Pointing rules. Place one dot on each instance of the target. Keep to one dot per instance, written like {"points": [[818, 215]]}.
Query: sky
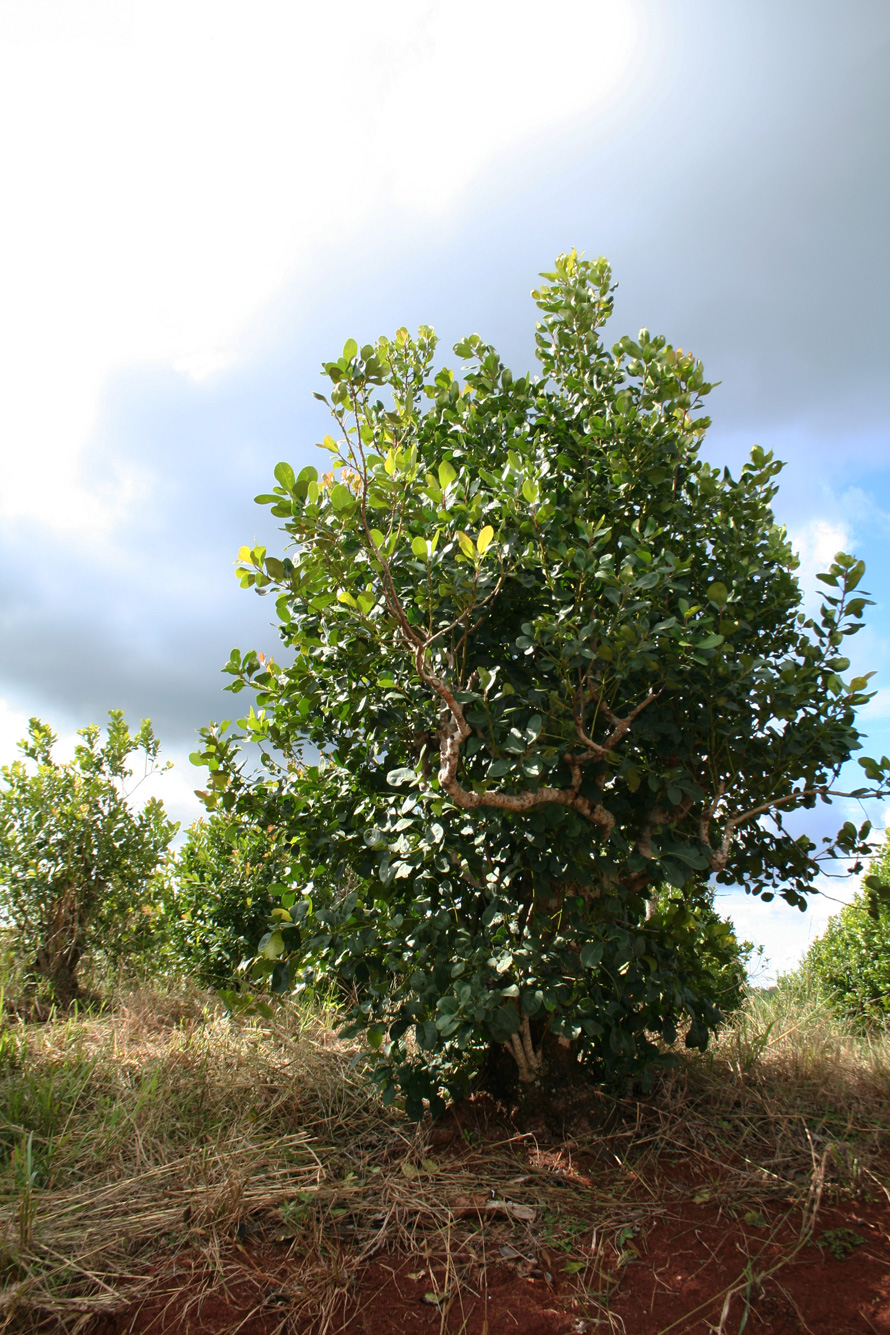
{"points": [[204, 200]]}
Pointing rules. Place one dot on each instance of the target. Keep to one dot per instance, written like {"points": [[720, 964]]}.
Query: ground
{"points": [[681, 1241], [166, 1168]]}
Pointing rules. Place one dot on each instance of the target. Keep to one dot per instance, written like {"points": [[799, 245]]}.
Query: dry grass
{"points": [[142, 1147]]}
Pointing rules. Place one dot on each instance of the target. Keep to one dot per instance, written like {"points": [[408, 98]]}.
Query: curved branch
{"points": [[454, 733], [455, 730], [719, 857], [620, 726]]}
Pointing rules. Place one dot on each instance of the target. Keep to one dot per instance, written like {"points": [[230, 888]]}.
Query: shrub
{"points": [[218, 898], [851, 959], [77, 863], [552, 662]]}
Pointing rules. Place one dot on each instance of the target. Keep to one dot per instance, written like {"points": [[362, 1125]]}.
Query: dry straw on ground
{"points": [[159, 1143]]}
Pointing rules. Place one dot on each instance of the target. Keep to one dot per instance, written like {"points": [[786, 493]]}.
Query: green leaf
{"points": [[285, 475], [591, 955], [718, 594], [280, 981], [502, 1022], [419, 548], [530, 490], [447, 474], [397, 778], [350, 348], [271, 945]]}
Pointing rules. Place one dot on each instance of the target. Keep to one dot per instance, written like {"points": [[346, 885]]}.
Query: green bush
{"points": [[218, 898], [851, 959], [77, 864], [552, 661], [708, 945]]}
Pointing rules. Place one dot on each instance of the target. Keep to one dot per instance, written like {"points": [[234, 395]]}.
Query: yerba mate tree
{"points": [[78, 863], [557, 671]]}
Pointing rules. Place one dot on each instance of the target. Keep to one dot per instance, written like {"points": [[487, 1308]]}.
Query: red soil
{"points": [[692, 1269], [689, 1259]]}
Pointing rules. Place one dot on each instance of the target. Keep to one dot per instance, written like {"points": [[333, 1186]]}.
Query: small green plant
{"points": [[77, 863], [841, 1242], [26, 1177]]}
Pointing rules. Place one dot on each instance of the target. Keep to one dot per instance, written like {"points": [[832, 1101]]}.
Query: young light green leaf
{"points": [[483, 542], [466, 545], [271, 946], [447, 474], [285, 475]]}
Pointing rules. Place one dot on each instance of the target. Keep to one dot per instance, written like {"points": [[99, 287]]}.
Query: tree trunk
{"points": [[60, 971], [60, 953]]}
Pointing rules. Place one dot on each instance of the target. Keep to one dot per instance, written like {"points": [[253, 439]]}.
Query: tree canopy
{"points": [[557, 671]]}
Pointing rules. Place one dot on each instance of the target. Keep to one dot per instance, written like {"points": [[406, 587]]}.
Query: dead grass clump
{"points": [[149, 1127], [788, 1076]]}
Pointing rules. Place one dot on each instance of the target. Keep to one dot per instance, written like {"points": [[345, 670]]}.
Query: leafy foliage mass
{"points": [[76, 861], [218, 897], [553, 662], [851, 960]]}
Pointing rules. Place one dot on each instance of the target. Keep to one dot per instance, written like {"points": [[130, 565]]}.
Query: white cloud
{"points": [[13, 727], [784, 932], [817, 542], [168, 164]]}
